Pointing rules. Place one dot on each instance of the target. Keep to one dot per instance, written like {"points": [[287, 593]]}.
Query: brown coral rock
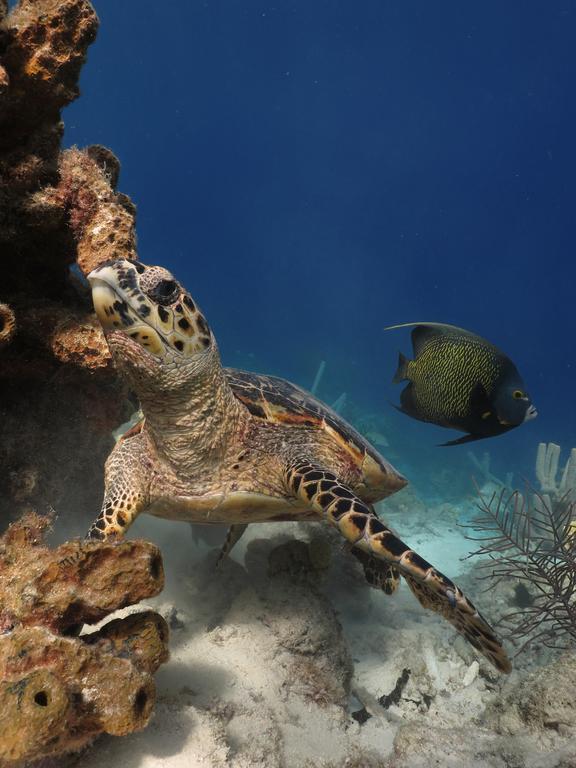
{"points": [[59, 215], [102, 224], [79, 339], [58, 691], [70, 336], [140, 636], [45, 47], [80, 581]]}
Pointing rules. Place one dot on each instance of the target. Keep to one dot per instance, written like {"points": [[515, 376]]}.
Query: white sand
{"points": [[236, 691]]}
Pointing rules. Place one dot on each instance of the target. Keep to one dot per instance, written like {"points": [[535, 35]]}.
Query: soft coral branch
{"points": [[528, 538]]}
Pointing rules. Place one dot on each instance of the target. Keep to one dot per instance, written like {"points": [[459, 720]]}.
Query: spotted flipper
{"points": [[320, 489], [379, 574], [126, 489], [232, 538]]}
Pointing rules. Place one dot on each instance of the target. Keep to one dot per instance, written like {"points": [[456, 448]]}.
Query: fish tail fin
{"points": [[402, 370]]}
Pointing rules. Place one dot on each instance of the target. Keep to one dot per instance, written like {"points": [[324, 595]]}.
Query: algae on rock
{"points": [[59, 217]]}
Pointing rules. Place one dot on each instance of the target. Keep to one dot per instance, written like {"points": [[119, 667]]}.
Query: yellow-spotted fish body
{"points": [[461, 381]]}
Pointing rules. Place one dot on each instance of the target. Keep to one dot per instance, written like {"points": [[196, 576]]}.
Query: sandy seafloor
{"points": [[261, 657]]}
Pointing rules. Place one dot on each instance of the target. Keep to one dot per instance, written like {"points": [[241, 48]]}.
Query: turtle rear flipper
{"points": [[321, 489], [235, 533], [465, 617], [379, 574]]}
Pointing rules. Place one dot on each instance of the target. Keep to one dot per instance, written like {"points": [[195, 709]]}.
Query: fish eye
{"points": [[518, 394], [164, 292]]}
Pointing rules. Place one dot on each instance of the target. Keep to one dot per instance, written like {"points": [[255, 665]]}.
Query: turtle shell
{"points": [[277, 400]]}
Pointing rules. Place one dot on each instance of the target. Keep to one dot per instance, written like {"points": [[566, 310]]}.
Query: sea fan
{"points": [[531, 540]]}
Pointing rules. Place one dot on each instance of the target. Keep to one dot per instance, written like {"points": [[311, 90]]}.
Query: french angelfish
{"points": [[461, 381]]}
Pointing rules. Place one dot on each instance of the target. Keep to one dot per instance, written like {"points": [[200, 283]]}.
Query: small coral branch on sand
{"points": [[59, 691], [482, 466]]}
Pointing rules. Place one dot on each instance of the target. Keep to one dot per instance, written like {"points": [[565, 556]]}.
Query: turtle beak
{"points": [[108, 283], [115, 312], [104, 297], [106, 273], [107, 302]]}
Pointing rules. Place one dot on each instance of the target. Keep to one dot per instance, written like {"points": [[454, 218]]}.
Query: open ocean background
{"points": [[313, 170]]}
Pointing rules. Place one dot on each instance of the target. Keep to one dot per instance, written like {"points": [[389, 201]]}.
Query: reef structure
{"points": [[58, 691], [60, 215], [547, 465]]}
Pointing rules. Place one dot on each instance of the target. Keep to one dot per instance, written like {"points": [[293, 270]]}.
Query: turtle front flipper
{"points": [[321, 489], [126, 489]]}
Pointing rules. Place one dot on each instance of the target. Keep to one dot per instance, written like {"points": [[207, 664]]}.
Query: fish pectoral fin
{"points": [[402, 370], [401, 409], [461, 440], [479, 402], [408, 404]]}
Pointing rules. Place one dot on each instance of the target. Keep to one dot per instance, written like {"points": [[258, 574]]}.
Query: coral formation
{"points": [[556, 493], [59, 216], [59, 691], [547, 461], [101, 220], [529, 542]]}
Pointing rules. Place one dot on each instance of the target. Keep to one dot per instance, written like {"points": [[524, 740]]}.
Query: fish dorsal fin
{"points": [[424, 332], [421, 336]]}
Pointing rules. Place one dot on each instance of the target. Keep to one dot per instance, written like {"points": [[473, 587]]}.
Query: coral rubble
{"points": [[541, 703], [59, 217], [59, 691]]}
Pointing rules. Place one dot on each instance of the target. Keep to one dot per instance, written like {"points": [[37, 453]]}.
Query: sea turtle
{"points": [[220, 445]]}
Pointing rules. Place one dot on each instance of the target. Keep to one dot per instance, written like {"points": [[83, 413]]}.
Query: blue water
{"points": [[313, 170]]}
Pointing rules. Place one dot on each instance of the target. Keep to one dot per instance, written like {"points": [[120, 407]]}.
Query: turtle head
{"points": [[150, 321]]}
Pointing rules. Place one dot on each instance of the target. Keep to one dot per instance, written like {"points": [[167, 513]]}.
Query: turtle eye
{"points": [[165, 291], [518, 394]]}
